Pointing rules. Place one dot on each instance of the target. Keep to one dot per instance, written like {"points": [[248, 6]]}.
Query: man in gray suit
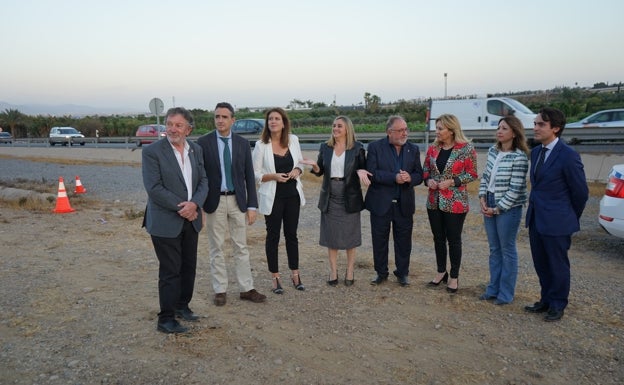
{"points": [[175, 180], [231, 203]]}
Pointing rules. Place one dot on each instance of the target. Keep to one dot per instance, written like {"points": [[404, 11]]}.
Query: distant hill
{"points": [[65, 109]]}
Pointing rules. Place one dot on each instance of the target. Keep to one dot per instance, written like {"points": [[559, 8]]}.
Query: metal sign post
{"points": [[156, 107]]}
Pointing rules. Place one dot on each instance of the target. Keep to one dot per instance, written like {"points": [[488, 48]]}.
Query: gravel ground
{"points": [[78, 305]]}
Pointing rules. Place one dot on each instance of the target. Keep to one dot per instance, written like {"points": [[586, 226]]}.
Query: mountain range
{"points": [[73, 110]]}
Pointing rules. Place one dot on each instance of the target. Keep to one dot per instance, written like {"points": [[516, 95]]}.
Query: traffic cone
{"points": [[79, 187], [62, 202]]}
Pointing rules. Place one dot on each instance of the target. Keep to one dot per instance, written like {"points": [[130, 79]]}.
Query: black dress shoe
{"points": [[538, 307], [379, 279], [553, 315], [186, 314], [403, 281], [171, 326]]}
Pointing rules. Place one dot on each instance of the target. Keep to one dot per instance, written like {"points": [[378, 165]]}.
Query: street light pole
{"points": [[445, 85]]}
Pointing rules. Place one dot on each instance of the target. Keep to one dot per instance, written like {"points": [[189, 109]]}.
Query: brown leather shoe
{"points": [[253, 296], [219, 299]]}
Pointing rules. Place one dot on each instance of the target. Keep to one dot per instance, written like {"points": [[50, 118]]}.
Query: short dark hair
{"points": [[226, 105], [181, 111], [555, 117]]}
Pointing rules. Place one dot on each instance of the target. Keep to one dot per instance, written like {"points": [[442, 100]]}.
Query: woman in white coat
{"points": [[277, 165]]}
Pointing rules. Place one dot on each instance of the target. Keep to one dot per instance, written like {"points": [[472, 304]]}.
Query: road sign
{"points": [[156, 106]]}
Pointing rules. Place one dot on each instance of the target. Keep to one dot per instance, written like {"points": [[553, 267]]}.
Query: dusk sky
{"points": [[120, 54]]}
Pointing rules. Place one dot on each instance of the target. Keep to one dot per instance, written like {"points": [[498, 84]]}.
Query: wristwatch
{"points": [[496, 211]]}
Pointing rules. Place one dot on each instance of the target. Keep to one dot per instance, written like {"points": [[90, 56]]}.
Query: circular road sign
{"points": [[156, 106]]}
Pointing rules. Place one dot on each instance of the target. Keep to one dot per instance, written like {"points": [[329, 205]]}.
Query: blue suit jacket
{"points": [[380, 161], [559, 193], [242, 172], [165, 186]]}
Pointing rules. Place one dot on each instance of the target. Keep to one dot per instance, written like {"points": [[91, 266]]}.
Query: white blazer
{"points": [[264, 163]]}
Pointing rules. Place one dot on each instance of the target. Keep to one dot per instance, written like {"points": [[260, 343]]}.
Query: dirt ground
{"points": [[78, 300]]}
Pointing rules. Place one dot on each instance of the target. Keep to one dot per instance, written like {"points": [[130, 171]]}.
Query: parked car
{"points": [[5, 137], [65, 136], [611, 216], [248, 126], [606, 118], [152, 132]]}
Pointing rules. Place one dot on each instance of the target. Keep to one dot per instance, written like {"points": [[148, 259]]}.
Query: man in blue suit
{"points": [[231, 204], [176, 185], [558, 196], [396, 168]]}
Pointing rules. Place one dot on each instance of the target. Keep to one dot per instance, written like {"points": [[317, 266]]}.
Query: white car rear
{"points": [[611, 216]]}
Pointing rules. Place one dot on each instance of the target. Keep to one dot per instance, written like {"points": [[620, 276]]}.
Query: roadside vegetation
{"points": [[310, 117]]}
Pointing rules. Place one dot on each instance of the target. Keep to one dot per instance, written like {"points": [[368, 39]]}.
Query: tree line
{"points": [[575, 102]]}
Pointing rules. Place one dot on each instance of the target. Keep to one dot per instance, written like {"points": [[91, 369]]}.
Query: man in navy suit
{"points": [[176, 185], [558, 196], [396, 168], [231, 204]]}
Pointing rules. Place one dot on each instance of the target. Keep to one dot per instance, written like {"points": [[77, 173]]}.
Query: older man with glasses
{"points": [[395, 167]]}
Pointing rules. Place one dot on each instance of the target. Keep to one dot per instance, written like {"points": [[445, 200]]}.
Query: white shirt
{"points": [[337, 166], [185, 166]]}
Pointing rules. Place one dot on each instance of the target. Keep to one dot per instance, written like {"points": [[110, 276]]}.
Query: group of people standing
{"points": [[212, 183]]}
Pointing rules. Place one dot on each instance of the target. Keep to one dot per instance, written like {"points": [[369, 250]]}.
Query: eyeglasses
{"points": [[400, 131]]}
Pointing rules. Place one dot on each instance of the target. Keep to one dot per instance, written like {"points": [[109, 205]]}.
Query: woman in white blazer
{"points": [[277, 165]]}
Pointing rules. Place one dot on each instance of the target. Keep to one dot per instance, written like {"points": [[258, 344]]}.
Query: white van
{"points": [[482, 113]]}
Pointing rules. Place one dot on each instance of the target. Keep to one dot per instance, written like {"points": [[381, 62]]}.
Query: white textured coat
{"points": [[264, 163]]}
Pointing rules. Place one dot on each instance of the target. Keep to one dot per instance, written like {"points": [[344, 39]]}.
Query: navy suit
{"points": [[391, 204], [243, 175], [557, 199], [174, 238]]}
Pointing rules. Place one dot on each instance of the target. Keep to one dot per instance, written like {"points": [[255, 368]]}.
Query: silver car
{"points": [[611, 215], [605, 118], [65, 136]]}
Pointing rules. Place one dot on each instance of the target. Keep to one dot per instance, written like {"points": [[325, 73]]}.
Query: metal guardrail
{"points": [[571, 135]]}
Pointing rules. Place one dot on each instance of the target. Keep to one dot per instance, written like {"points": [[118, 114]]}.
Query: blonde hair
{"points": [[451, 123], [331, 142]]}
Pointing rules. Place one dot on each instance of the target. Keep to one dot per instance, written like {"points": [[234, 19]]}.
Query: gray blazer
{"points": [[165, 187]]}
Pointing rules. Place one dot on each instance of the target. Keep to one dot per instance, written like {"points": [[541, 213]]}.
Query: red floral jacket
{"points": [[462, 164]]}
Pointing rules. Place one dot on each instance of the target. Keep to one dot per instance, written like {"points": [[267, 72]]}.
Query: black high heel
{"points": [[278, 288], [451, 290], [333, 282], [349, 282], [299, 286], [444, 279]]}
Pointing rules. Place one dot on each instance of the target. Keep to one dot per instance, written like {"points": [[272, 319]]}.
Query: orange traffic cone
{"points": [[62, 202], [79, 187]]}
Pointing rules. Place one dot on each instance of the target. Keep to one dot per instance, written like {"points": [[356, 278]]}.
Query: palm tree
{"points": [[12, 118]]}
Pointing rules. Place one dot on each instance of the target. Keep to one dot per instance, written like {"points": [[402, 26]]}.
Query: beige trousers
{"points": [[226, 217]]}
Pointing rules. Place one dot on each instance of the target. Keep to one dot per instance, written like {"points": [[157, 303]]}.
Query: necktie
{"points": [[540, 161], [227, 164]]}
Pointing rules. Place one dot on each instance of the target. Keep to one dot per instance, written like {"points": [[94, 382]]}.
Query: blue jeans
{"points": [[502, 231]]}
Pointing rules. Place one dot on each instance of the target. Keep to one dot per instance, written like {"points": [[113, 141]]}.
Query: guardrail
{"points": [[593, 135]]}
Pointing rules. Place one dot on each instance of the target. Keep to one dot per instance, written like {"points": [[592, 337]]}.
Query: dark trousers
{"points": [[550, 259], [177, 259], [286, 211], [447, 227], [401, 234]]}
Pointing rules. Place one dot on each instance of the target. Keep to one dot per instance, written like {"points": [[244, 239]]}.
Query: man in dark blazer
{"points": [[231, 204], [558, 196], [396, 168], [176, 184]]}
